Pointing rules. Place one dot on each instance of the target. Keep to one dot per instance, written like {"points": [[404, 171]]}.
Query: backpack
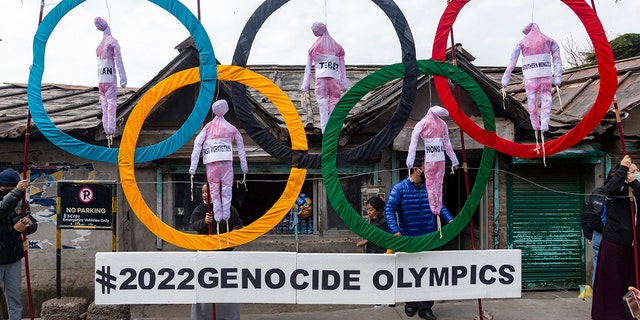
{"points": [[594, 214]]}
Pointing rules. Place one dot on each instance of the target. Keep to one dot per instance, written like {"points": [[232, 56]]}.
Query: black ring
{"points": [[346, 158]]}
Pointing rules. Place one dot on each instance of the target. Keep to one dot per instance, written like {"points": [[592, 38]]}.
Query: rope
{"points": [[533, 7], [560, 98], [326, 23], [106, 3], [503, 91]]}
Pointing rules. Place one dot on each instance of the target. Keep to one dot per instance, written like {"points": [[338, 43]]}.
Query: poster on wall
{"points": [[86, 204]]}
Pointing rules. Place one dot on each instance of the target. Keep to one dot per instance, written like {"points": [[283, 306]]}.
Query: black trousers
{"points": [[419, 305]]}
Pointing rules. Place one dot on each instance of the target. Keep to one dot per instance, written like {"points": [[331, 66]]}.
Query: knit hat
{"points": [[9, 178]]}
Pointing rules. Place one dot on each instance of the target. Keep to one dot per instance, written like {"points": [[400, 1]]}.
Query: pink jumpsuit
{"points": [[331, 76], [214, 141], [538, 52], [109, 59], [435, 135]]}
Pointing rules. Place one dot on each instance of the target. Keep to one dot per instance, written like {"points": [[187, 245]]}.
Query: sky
{"points": [[488, 29]]}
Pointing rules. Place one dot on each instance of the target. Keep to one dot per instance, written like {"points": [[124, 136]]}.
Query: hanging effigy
{"points": [[435, 134], [327, 57], [215, 143], [109, 61], [541, 66]]}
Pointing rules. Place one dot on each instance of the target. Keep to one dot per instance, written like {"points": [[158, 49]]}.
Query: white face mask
{"points": [[637, 176]]}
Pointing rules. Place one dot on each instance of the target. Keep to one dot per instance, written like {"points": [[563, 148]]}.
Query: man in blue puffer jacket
{"points": [[408, 214]]}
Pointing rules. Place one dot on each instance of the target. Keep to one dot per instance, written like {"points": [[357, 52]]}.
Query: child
{"points": [[375, 211]]}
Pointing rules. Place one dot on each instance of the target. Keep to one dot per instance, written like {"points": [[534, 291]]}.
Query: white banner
{"points": [[287, 277]]}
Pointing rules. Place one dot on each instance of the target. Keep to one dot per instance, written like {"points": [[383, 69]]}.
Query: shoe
{"points": [[391, 306], [427, 314], [378, 306], [410, 311]]}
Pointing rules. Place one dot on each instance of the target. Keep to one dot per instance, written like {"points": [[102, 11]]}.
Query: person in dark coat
{"points": [[200, 220], [616, 266], [12, 248], [408, 199], [375, 213]]}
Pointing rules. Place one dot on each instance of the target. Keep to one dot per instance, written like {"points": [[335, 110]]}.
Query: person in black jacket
{"points": [[200, 220], [616, 260], [12, 247], [593, 216], [375, 212]]}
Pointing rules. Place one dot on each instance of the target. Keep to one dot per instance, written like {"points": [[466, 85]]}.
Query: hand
{"points": [[208, 218], [397, 233], [22, 185], [361, 243], [626, 161], [26, 221]]}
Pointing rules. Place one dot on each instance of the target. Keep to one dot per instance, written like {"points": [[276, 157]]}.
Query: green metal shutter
{"points": [[543, 214]]}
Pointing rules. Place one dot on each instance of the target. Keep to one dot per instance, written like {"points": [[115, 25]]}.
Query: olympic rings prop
{"points": [[363, 151], [330, 175], [143, 154], [606, 70], [236, 237]]}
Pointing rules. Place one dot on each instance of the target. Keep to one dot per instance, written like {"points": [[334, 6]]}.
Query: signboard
{"points": [[304, 278], [86, 204]]}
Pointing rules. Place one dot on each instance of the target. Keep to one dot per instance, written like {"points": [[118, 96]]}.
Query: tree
{"points": [[624, 46], [576, 55]]}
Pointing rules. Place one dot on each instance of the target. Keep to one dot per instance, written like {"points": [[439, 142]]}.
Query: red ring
{"points": [[606, 92]]}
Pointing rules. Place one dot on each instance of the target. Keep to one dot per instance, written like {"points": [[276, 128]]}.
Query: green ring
{"points": [[329, 155]]}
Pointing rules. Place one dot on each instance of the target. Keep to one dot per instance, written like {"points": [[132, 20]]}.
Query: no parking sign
{"points": [[86, 204]]}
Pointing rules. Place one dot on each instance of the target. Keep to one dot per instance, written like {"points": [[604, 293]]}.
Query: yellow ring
{"points": [[237, 237]]}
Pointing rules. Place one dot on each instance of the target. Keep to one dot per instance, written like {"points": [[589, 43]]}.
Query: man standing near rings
{"points": [[12, 247], [200, 220], [409, 200]]}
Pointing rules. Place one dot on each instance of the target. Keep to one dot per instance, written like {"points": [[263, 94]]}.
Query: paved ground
{"points": [[548, 305]]}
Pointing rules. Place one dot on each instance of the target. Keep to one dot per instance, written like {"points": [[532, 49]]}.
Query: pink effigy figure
{"points": [[435, 135], [331, 76], [539, 54], [215, 142], [109, 59]]}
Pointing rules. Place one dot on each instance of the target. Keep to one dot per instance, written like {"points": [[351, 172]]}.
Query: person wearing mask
{"points": [[408, 199], [616, 265], [200, 220], [12, 248]]}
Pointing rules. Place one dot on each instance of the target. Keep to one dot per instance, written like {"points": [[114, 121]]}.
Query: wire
{"points": [[344, 177]]}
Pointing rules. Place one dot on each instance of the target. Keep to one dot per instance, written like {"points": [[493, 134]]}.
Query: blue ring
{"points": [[208, 76]]}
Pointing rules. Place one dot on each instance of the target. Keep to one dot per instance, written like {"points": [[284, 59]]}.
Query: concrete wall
{"points": [[50, 165]]}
